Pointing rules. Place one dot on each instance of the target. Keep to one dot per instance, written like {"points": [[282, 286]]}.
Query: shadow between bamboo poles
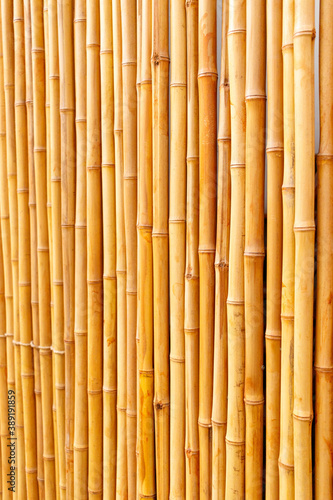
{"points": [[286, 458], [110, 256], [129, 69], [220, 381], [207, 81], [146, 448], [9, 85], [177, 229], [27, 369], [81, 399], [33, 246], [324, 334], [191, 307], [304, 229], [274, 151], [42, 242], [94, 255]]}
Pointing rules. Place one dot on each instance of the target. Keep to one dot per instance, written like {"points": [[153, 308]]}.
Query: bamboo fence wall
{"points": [[166, 250]]}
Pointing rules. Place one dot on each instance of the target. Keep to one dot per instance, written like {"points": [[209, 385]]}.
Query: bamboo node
{"points": [[66, 110], [108, 165], [30, 471], [303, 418], [273, 334], [106, 51], [224, 139], [80, 447], [37, 50], [81, 120], [48, 458], [95, 492], [110, 390], [222, 264], [237, 165], [8, 86], [234, 443], [308, 30], [22, 190], [93, 167], [131, 413], [233, 302], [80, 332], [274, 149], [254, 254], [157, 58], [129, 63], [19, 103], [240, 30], [5, 217], [94, 392], [146, 373], [121, 409], [205, 424], [287, 46], [323, 157], [53, 77], [130, 177], [178, 84], [217, 423], [177, 359], [321, 369], [190, 453], [288, 317], [255, 97], [80, 20], [156, 234], [18, 19], [304, 227], [282, 465], [160, 405], [191, 331], [253, 402]]}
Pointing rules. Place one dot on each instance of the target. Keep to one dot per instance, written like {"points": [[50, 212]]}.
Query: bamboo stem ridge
{"points": [[254, 245], [324, 333]]}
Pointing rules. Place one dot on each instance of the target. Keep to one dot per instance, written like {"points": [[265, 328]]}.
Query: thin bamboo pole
{"points": [[146, 449], [191, 309], [324, 333], [220, 382], [33, 246], [160, 76], [207, 82], [42, 242], [254, 244], [9, 85], [27, 369], [286, 458], [68, 166], [109, 255], [94, 255], [304, 228], [274, 151], [81, 400], [177, 239], [129, 69], [235, 437]]}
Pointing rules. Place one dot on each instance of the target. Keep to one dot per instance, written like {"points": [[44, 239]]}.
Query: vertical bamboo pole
{"points": [[304, 228], [274, 151], [109, 255], [94, 255], [177, 238], [27, 369], [9, 85], [129, 68], [68, 165], [324, 333], [191, 309], [286, 458], [220, 383], [254, 244], [146, 450], [81, 399], [235, 437], [207, 81], [33, 246], [160, 75], [42, 242]]}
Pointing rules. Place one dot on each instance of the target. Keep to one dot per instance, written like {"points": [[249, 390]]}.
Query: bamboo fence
{"points": [[166, 256]]}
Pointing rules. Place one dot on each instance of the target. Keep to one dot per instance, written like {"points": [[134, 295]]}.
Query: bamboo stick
{"points": [[235, 437], [27, 369], [304, 228], [323, 354], [42, 242], [254, 245], [145, 445], [94, 255], [177, 239], [129, 69], [220, 382], [191, 306], [109, 255], [286, 459], [274, 151], [207, 81], [160, 76], [81, 400]]}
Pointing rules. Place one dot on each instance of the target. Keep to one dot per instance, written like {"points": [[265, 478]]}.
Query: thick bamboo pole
{"points": [[324, 333], [94, 255], [109, 255], [42, 242], [191, 308], [220, 382], [177, 239], [274, 151], [145, 446], [27, 368], [68, 166], [129, 68], [235, 437], [304, 228], [254, 244], [286, 458], [207, 82], [160, 74], [81, 399]]}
